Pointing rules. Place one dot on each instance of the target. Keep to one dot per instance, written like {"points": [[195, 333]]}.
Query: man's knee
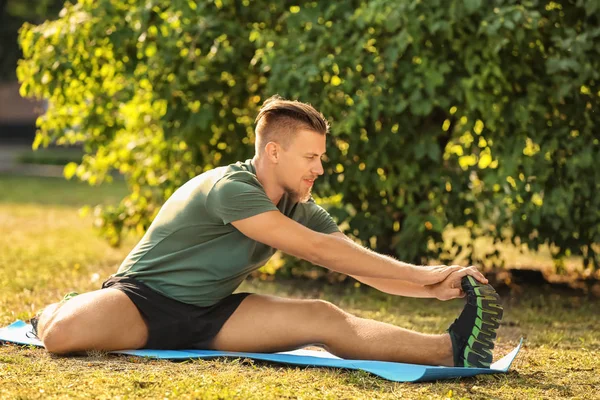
{"points": [[45, 318], [328, 311], [57, 336], [328, 322], [105, 319], [58, 330]]}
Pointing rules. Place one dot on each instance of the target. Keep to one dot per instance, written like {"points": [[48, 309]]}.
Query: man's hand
{"points": [[450, 288], [434, 274]]}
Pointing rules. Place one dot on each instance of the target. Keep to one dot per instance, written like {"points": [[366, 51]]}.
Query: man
{"points": [[174, 290]]}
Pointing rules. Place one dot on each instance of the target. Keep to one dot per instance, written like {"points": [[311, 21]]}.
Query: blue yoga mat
{"points": [[19, 332]]}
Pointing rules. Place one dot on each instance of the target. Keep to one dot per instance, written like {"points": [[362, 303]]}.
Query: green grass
{"points": [[58, 191], [51, 156], [48, 250]]}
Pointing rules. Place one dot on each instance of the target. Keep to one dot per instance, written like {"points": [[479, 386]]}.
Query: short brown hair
{"points": [[279, 120]]}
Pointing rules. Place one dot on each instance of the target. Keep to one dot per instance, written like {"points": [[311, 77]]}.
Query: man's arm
{"points": [[393, 286], [278, 231]]}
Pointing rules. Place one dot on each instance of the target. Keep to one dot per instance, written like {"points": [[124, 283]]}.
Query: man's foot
{"points": [[474, 331], [34, 321]]}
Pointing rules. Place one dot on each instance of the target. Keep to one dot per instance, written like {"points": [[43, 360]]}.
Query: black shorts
{"points": [[171, 323]]}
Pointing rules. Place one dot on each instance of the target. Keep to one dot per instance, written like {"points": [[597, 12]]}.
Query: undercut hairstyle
{"points": [[279, 120]]}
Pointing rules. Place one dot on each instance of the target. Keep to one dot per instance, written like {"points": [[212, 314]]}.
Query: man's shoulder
{"points": [[232, 180], [238, 171], [239, 175], [201, 185]]}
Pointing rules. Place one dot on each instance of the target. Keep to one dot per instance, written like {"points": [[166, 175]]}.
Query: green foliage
{"points": [[444, 113]]}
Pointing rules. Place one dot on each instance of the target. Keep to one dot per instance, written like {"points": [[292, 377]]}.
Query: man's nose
{"points": [[318, 169]]}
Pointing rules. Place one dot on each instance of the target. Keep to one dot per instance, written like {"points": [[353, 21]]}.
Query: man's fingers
{"points": [[452, 269], [443, 272], [474, 272]]}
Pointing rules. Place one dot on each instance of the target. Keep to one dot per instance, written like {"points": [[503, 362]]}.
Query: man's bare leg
{"points": [[270, 324], [104, 319]]}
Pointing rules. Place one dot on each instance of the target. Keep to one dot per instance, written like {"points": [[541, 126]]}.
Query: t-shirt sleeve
{"points": [[236, 197], [314, 217]]}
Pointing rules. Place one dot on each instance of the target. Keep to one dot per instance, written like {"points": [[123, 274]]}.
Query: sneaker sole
{"points": [[478, 351]]}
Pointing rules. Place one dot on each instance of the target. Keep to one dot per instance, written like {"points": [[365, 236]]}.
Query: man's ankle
{"points": [[446, 351]]}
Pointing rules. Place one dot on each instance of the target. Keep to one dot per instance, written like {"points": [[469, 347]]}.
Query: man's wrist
{"points": [[412, 272], [431, 291]]}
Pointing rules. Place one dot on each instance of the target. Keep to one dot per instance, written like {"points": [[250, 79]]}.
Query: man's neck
{"points": [[267, 180]]}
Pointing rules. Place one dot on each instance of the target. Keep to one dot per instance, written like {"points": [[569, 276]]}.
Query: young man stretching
{"points": [[174, 290]]}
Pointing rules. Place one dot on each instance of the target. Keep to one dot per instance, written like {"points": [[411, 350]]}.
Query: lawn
{"points": [[48, 250], [51, 156]]}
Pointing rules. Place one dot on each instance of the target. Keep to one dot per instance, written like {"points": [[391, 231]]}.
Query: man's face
{"points": [[301, 164]]}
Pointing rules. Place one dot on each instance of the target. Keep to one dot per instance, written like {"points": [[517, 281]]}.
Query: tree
{"points": [[460, 113]]}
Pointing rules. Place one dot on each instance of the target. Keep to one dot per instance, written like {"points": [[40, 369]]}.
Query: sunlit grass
{"points": [[51, 156], [57, 191], [511, 256], [47, 250]]}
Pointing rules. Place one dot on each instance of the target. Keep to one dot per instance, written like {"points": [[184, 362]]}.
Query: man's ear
{"points": [[272, 151]]}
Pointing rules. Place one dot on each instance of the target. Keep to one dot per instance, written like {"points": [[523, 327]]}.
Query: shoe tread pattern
{"points": [[478, 351]]}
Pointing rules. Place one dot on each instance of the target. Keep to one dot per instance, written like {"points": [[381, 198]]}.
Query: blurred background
{"points": [[17, 115], [462, 131]]}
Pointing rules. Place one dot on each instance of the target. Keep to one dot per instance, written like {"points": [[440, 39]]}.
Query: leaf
{"points": [[472, 5], [484, 160], [70, 170]]}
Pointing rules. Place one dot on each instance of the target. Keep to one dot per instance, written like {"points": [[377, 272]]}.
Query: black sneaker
{"points": [[34, 324], [474, 331]]}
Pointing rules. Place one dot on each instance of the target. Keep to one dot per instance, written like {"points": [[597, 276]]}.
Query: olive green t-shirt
{"points": [[193, 254]]}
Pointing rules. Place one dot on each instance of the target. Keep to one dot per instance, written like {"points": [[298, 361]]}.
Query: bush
{"points": [[468, 113]]}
